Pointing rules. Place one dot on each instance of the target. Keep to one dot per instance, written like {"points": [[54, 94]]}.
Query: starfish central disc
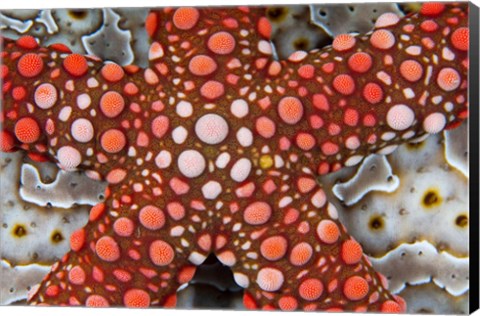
{"points": [[212, 129]]}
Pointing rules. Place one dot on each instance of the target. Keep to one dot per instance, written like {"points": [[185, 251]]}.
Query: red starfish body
{"points": [[216, 148]]}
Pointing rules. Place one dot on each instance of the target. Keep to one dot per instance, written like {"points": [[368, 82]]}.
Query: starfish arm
{"points": [[288, 249], [366, 94], [80, 111], [135, 251], [207, 48]]}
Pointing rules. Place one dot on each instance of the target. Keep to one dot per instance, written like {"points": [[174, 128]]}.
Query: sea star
{"points": [[216, 148]]}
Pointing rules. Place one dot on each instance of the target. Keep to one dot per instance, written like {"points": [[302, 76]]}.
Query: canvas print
{"points": [[304, 157]]}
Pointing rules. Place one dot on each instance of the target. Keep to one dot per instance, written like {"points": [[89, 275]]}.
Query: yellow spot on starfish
{"points": [[266, 161]]}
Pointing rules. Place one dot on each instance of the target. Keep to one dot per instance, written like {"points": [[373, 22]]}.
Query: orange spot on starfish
{"points": [[351, 252], [257, 213], [75, 64], [274, 248], [355, 288], [311, 289], [27, 130], [113, 141], [161, 253], [328, 231], [360, 62], [112, 72], [185, 18], [30, 65], [136, 298], [112, 104], [107, 249], [151, 217], [202, 65], [460, 38], [222, 43]]}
